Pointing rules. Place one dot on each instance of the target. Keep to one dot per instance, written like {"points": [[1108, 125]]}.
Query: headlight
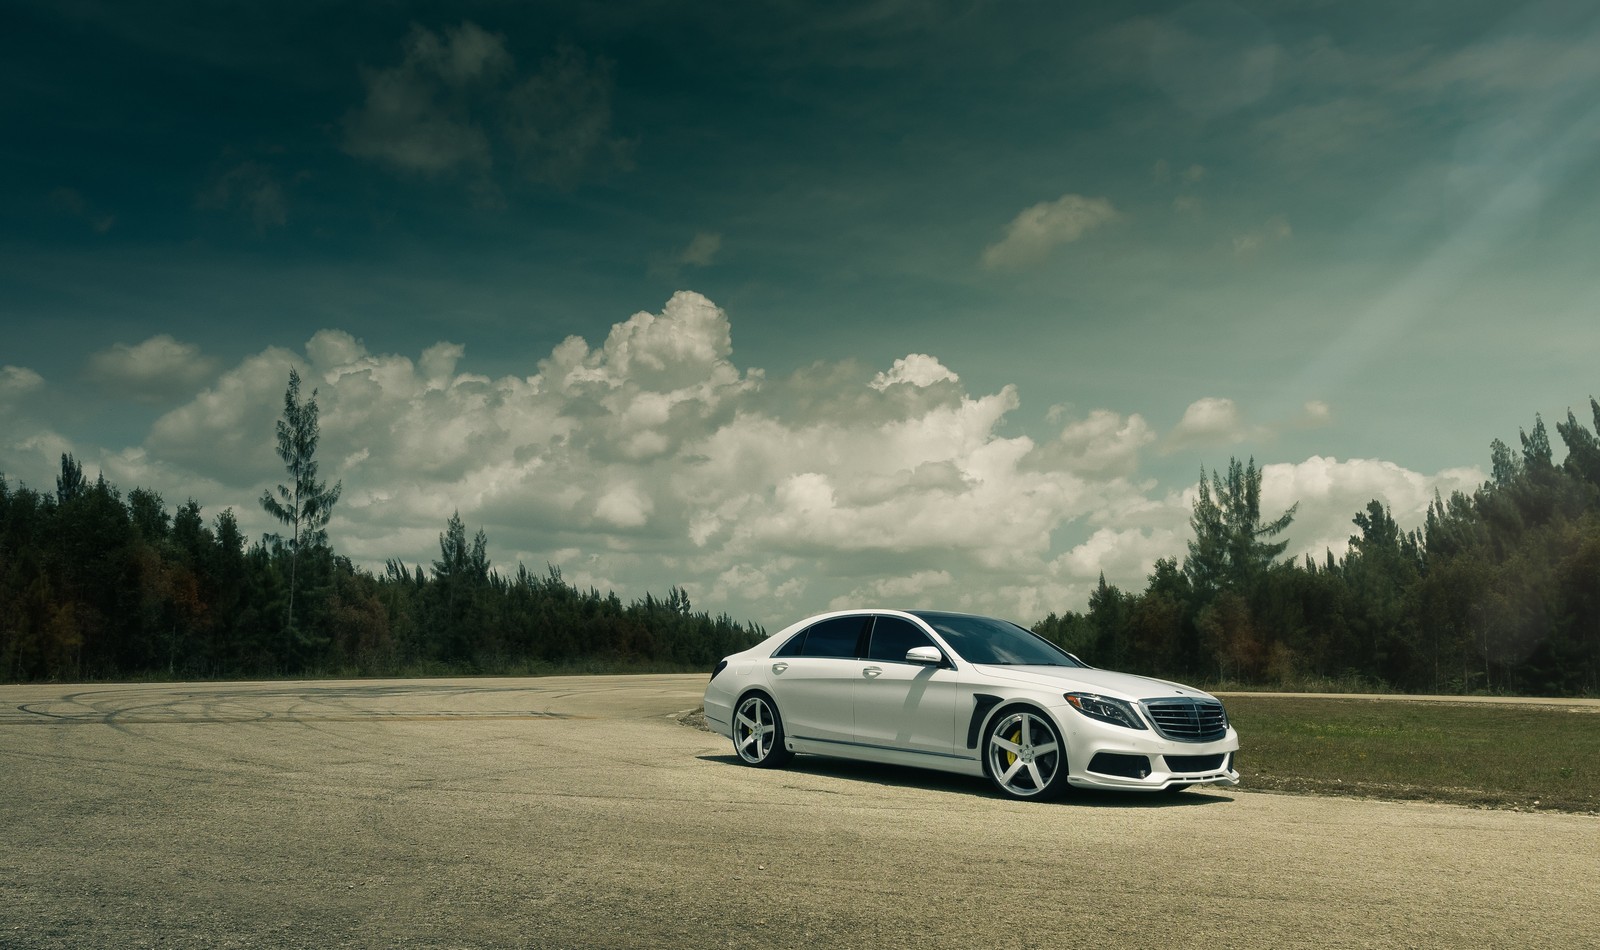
{"points": [[1105, 709]]}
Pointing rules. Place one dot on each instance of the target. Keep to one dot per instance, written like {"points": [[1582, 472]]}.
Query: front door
{"points": [[900, 705]]}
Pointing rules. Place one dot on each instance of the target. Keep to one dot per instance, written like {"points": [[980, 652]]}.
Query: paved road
{"points": [[576, 812]]}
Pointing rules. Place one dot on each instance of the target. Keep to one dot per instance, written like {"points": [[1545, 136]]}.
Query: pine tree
{"points": [[1230, 550], [306, 504]]}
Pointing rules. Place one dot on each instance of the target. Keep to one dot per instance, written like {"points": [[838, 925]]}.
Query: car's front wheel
{"points": [[1025, 756], [758, 733]]}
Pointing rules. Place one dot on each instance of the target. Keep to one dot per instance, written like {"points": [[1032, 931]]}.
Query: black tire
{"points": [[1024, 755], [758, 733]]}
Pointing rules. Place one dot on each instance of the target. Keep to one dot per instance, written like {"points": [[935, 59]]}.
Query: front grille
{"points": [[1187, 720], [1195, 763]]}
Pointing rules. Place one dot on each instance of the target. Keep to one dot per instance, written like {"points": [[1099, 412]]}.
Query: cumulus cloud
{"points": [[30, 450], [650, 458], [1330, 492], [161, 368], [1315, 414], [1103, 444], [1034, 233], [458, 102], [910, 590], [918, 369], [1128, 555], [17, 380], [1210, 421]]}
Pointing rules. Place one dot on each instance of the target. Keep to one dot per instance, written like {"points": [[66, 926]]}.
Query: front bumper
{"points": [[1111, 757]]}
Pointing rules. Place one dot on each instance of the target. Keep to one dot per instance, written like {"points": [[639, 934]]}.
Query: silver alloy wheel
{"points": [[755, 730], [1024, 754]]}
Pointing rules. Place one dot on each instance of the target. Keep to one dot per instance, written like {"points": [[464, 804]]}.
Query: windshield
{"points": [[986, 640]]}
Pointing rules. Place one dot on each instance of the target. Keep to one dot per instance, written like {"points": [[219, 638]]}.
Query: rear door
{"points": [[813, 684]]}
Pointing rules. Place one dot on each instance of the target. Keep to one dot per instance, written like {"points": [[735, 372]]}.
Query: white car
{"points": [[968, 694]]}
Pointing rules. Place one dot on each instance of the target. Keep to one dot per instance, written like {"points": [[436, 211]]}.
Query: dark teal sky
{"points": [[1355, 242]]}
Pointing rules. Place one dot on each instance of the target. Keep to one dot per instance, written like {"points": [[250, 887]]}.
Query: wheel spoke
{"points": [[1044, 749], [1011, 772], [1033, 770], [751, 731], [1005, 744]]}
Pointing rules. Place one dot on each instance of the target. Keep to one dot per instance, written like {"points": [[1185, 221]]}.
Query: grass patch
{"points": [[1493, 756]]}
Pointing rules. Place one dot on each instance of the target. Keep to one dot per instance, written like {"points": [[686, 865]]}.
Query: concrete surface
{"points": [[576, 812]]}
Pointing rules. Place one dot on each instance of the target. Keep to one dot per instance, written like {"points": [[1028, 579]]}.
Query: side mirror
{"points": [[929, 656]]}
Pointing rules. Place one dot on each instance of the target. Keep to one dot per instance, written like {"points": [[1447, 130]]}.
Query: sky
{"points": [[798, 305]]}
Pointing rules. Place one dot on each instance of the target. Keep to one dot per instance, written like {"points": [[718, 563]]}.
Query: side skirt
{"points": [[862, 752]]}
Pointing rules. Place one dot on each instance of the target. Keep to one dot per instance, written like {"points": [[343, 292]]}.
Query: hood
{"points": [[1119, 685]]}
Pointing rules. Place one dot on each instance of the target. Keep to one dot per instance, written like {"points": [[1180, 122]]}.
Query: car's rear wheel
{"points": [[1024, 755], [758, 733]]}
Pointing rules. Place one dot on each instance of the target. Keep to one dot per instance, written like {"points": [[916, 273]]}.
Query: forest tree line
{"points": [[98, 585], [1497, 591]]}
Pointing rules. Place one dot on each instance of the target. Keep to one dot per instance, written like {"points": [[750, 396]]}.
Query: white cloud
{"points": [[702, 250], [158, 369], [17, 380], [1105, 443], [651, 459], [910, 590], [1315, 414], [30, 451], [1211, 420], [1331, 492], [625, 506], [918, 369], [1125, 557], [1035, 232], [651, 450]]}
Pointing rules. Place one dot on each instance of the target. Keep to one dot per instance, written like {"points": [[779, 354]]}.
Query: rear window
{"points": [[837, 637]]}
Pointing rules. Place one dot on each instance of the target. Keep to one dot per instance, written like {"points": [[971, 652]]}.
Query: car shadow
{"points": [[904, 776]]}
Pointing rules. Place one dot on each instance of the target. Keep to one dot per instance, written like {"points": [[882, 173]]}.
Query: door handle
{"points": [[779, 667], [872, 671]]}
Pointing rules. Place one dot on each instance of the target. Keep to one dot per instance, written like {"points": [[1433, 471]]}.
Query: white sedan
{"points": [[968, 694]]}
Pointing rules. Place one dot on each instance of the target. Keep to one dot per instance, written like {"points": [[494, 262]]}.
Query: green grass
{"points": [[1488, 755]]}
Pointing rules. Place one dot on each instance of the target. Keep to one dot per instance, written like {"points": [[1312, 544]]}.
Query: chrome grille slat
{"points": [[1187, 720]]}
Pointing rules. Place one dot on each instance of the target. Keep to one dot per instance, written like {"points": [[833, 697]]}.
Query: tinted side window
{"points": [[836, 637], [791, 648], [893, 636]]}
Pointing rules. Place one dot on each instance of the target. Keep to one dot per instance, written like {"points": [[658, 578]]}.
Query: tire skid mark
{"points": [[121, 718]]}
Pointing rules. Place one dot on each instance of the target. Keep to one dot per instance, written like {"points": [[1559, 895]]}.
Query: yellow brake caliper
{"points": [[1016, 738]]}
